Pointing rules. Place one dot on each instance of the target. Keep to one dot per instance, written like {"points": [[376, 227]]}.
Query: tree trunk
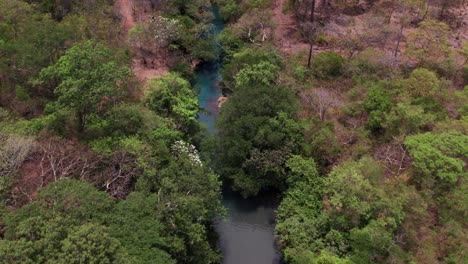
{"points": [[400, 35], [310, 55], [81, 122], [442, 10], [312, 12]]}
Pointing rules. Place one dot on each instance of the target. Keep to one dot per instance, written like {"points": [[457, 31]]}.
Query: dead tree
{"points": [[320, 100]]}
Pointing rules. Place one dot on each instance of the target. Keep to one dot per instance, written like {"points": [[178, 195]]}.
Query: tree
{"points": [[188, 198], [296, 225], [377, 103], [406, 118], [72, 222], [257, 134], [248, 57], [327, 65], [90, 243], [429, 42], [23, 53], [89, 80], [407, 9], [263, 73], [446, 5], [172, 96], [438, 158], [321, 100]]}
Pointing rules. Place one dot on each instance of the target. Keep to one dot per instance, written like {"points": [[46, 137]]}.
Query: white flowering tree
{"points": [[159, 33], [183, 149]]}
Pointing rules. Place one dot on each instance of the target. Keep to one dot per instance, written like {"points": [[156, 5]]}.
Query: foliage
{"points": [[326, 65], [438, 158], [247, 57], [89, 80], [256, 136], [229, 9], [89, 223], [263, 73], [422, 83], [172, 96], [356, 217], [377, 103], [429, 42]]}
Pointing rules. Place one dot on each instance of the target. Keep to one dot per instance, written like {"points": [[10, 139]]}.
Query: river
{"points": [[246, 236]]}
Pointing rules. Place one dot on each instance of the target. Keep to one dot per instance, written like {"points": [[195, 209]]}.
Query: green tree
{"points": [[326, 65], [90, 243], [263, 73], [422, 83], [89, 80], [256, 136], [377, 103], [72, 222], [248, 57], [172, 96], [429, 42], [438, 158]]}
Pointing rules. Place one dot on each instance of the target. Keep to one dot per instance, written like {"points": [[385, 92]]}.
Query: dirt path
{"points": [[125, 9], [147, 67], [285, 29]]}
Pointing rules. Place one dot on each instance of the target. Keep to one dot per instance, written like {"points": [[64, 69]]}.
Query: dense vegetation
{"points": [[356, 114]]}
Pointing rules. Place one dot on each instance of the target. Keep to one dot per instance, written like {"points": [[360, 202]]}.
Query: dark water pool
{"points": [[246, 236]]}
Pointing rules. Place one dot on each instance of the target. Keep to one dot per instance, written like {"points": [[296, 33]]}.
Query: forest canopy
{"points": [[354, 114]]}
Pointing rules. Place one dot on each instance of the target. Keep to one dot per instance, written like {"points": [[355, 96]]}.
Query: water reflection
{"points": [[247, 235]]}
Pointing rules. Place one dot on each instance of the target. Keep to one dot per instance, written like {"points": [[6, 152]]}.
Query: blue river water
{"points": [[246, 236]]}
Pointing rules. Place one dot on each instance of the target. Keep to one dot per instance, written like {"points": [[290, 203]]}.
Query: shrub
{"points": [[327, 65]]}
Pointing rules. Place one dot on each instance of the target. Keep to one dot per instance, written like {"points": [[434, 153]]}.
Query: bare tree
{"points": [[65, 159], [394, 157], [14, 150], [255, 26], [320, 100], [115, 173]]}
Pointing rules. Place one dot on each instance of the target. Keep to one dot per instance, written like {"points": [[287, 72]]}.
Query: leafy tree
{"points": [[229, 9], [377, 103], [89, 80], [91, 243], [188, 199], [438, 158], [327, 65], [23, 46], [320, 141], [298, 220], [263, 73], [256, 135], [351, 212], [172, 96], [74, 222], [422, 83], [429, 42], [138, 227], [245, 57], [405, 119]]}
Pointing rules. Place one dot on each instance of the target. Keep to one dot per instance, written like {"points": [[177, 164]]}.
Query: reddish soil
{"points": [[145, 67], [29, 180], [286, 30]]}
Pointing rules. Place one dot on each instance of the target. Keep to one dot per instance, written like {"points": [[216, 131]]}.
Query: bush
{"points": [[184, 70], [327, 65]]}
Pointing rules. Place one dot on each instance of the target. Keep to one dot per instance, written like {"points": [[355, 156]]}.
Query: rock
{"points": [[222, 100]]}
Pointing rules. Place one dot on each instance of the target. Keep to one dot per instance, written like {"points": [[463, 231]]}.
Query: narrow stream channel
{"points": [[247, 234]]}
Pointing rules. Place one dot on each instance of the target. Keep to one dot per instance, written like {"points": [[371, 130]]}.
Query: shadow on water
{"points": [[246, 236], [247, 233]]}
